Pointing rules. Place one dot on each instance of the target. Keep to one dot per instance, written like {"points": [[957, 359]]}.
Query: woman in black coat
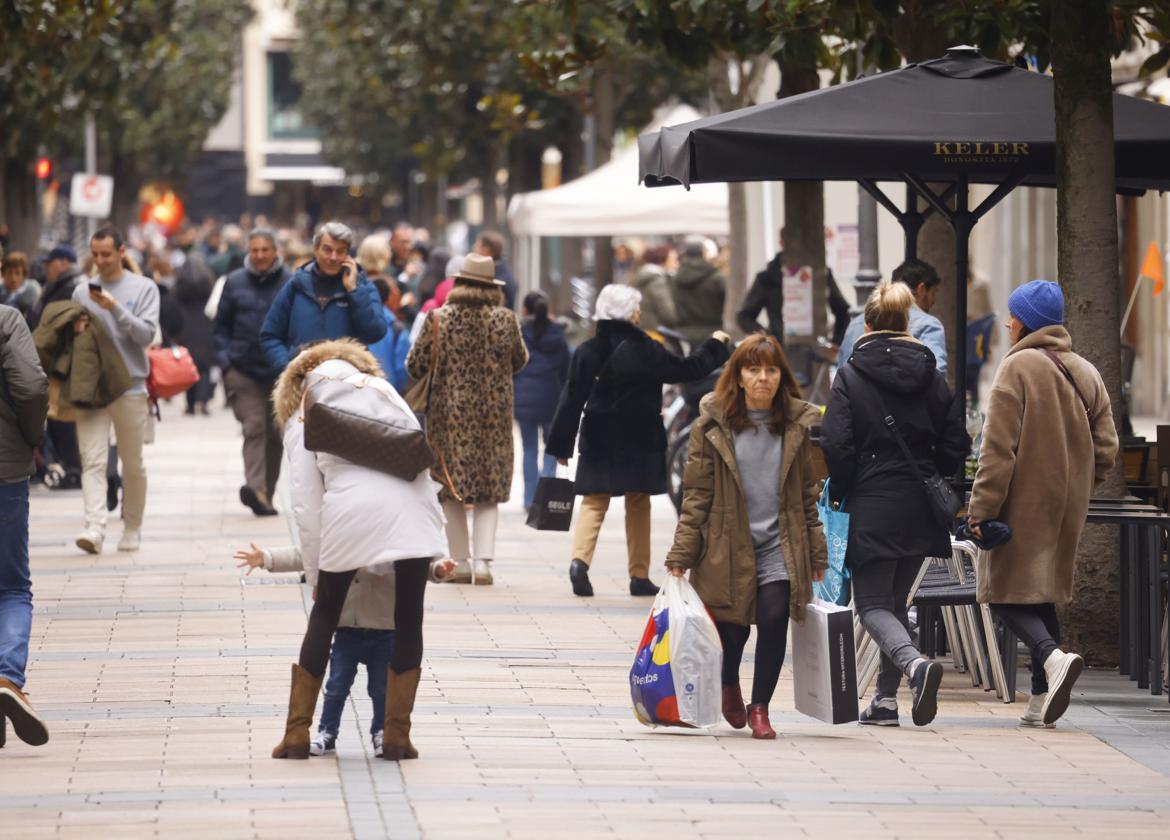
{"points": [[193, 282], [616, 381], [891, 527]]}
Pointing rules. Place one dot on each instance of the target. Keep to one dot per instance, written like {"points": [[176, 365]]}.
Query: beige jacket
{"points": [[713, 537], [1040, 459], [370, 601]]}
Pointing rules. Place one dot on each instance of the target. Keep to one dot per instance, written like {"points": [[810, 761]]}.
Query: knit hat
{"points": [[1038, 304]]}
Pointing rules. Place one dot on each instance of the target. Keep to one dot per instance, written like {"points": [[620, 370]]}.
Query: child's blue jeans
{"points": [[353, 646]]}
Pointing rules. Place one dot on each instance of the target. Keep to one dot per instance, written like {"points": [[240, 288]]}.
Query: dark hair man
{"points": [[491, 244]]}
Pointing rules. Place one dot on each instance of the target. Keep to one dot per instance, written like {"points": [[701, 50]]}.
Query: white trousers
{"points": [[129, 416], [485, 518]]}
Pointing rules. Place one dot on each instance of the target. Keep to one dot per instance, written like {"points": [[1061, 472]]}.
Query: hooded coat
{"points": [[713, 537], [616, 381], [890, 517], [657, 301], [88, 366], [1040, 458], [469, 420], [539, 383], [699, 290], [349, 516]]}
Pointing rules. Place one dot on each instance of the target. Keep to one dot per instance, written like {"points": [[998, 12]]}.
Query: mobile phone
{"points": [[95, 287]]}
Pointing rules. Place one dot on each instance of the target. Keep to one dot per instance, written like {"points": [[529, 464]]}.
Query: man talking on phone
{"points": [[328, 298], [126, 305]]}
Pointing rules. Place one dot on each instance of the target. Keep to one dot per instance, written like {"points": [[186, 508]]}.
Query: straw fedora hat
{"points": [[479, 269]]}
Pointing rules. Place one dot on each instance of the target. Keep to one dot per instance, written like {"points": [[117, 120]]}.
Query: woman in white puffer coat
{"points": [[351, 517]]}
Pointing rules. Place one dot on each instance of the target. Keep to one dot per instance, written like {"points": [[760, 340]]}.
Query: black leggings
{"points": [[771, 641], [332, 587], [1037, 627]]}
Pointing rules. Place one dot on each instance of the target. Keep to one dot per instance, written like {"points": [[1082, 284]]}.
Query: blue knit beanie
{"points": [[1038, 304]]}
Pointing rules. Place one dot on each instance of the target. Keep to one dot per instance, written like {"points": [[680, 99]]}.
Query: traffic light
{"points": [[44, 168]]}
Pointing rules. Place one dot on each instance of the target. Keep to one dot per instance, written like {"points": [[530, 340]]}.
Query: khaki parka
{"points": [[713, 538], [88, 366]]}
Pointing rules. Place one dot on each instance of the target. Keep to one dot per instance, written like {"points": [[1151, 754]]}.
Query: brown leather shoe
{"points": [[733, 708], [302, 702], [758, 720], [400, 693], [26, 722]]}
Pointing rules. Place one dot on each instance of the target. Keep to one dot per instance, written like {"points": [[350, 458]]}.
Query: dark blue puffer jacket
{"points": [[297, 318], [243, 305], [538, 384]]}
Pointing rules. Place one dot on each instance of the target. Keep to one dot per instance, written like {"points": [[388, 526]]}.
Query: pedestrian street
{"points": [[163, 676]]}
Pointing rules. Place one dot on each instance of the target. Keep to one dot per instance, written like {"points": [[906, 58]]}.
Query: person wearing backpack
{"points": [[1048, 440], [891, 420]]}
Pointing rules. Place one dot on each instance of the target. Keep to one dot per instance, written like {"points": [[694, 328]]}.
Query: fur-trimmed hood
{"points": [[290, 388], [473, 294]]}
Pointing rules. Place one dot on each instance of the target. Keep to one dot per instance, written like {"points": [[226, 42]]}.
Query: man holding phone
{"points": [[328, 298], [127, 306]]}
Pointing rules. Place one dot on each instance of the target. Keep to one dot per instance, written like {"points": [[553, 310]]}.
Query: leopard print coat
{"points": [[469, 420]]}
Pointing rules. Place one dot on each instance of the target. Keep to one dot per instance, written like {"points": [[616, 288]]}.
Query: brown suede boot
{"points": [[400, 692], [26, 723], [302, 702]]}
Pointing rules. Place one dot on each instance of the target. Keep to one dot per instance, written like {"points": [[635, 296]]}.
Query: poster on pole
{"points": [[842, 251], [798, 300], [91, 195]]}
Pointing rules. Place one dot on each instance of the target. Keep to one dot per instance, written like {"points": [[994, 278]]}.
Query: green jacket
{"points": [[88, 365], [699, 290], [657, 302]]}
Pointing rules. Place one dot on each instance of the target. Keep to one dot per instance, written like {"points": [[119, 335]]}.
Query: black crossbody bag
{"points": [[941, 497]]}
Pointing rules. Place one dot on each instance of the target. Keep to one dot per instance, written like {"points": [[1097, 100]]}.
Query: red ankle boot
{"points": [[733, 708], [758, 720]]}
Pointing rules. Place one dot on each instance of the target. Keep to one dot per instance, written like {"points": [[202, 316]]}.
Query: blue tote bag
{"points": [[836, 525]]}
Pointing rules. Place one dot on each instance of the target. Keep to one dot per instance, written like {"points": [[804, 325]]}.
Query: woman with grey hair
{"points": [[614, 397], [328, 298]]}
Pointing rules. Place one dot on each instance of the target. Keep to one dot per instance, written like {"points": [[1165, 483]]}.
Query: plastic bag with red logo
{"points": [[675, 680]]}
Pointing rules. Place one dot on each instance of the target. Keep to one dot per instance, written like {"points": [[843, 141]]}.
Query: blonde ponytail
{"points": [[888, 307]]}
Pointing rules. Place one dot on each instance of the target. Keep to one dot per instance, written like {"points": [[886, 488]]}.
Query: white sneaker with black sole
{"points": [[882, 711], [1061, 669], [323, 743]]}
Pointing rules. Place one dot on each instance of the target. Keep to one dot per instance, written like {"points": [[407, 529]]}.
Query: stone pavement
{"points": [[164, 677]]}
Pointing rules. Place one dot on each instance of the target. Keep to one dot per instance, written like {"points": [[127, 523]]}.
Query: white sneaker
{"points": [[90, 541], [463, 572], [131, 540], [323, 743], [376, 738], [1062, 670], [481, 572], [1033, 716]]}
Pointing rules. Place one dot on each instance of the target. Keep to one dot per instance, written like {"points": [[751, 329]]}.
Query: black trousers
{"points": [[771, 641], [332, 587], [1037, 626]]}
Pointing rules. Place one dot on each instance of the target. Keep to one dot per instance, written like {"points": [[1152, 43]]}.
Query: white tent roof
{"points": [[609, 201]]}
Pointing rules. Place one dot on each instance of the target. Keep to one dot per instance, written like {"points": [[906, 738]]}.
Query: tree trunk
{"points": [[1086, 230], [18, 186], [737, 224], [604, 122]]}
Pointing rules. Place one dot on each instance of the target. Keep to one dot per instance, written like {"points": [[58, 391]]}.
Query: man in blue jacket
{"points": [[248, 376], [328, 298]]}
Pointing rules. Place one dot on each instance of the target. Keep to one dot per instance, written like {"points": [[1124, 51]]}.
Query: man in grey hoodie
{"points": [[126, 305]]}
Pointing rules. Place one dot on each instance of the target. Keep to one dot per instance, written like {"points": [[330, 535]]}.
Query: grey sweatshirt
{"points": [[132, 324], [760, 455]]}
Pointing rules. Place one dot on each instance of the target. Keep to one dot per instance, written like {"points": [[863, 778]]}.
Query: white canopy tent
{"points": [[609, 201]]}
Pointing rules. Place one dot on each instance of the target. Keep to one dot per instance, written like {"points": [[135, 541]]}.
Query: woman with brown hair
{"points": [[749, 530]]}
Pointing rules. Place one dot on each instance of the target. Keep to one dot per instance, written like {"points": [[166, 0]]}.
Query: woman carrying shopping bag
{"points": [[614, 394], [890, 387], [350, 516], [538, 386], [1048, 440], [469, 416], [749, 530]]}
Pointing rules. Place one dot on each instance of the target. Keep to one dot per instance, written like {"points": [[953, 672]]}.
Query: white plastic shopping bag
{"points": [[824, 663], [675, 680]]}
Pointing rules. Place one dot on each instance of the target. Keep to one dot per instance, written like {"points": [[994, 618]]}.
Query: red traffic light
{"points": [[44, 168]]}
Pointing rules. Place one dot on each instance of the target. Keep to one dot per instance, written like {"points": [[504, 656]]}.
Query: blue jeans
{"points": [[353, 646], [529, 429], [15, 584]]}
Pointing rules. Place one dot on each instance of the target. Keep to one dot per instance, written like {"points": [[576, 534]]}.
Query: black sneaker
{"points": [[882, 711], [579, 577], [925, 682], [642, 586], [323, 743]]}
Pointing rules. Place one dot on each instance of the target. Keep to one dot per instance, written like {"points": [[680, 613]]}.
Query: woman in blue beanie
{"points": [[1048, 440]]}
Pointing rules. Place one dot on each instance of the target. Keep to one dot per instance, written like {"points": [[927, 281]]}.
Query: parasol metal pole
{"points": [[911, 221], [963, 221]]}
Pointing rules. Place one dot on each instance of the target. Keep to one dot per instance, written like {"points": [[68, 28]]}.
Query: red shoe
{"points": [[758, 720], [733, 708]]}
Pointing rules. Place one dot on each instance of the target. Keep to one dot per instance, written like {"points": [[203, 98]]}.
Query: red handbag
{"points": [[172, 372]]}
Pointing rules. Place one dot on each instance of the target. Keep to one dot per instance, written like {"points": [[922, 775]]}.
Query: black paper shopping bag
{"points": [[552, 506]]}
